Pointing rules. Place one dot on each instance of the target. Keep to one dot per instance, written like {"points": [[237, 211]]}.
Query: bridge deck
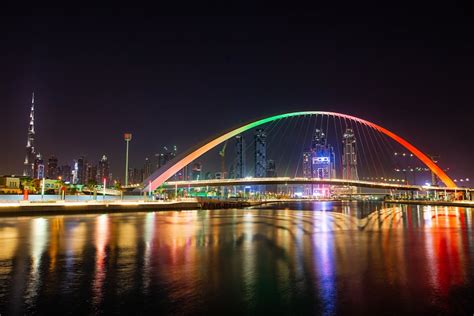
{"points": [[305, 181]]}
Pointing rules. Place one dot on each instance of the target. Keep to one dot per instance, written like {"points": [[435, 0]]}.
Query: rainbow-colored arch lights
{"points": [[163, 174]]}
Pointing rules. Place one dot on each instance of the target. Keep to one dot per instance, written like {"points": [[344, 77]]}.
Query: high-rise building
{"points": [[196, 171], [165, 156], [52, 170], [260, 153], [240, 165], [349, 156], [90, 174], [319, 162], [38, 167], [271, 168], [28, 164], [135, 175], [323, 157], [80, 170], [307, 160], [66, 172], [271, 173], [103, 169], [147, 168]]}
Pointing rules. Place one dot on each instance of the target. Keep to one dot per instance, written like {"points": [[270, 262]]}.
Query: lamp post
{"points": [[128, 138], [42, 188], [104, 187]]}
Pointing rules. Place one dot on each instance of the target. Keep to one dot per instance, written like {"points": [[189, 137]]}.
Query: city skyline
{"points": [[237, 158], [83, 171]]}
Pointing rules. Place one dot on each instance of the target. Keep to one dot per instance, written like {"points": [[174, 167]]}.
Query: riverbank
{"points": [[433, 203], [91, 207], [61, 207]]}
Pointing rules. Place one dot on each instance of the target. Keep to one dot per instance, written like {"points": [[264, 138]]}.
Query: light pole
{"points": [[42, 188], [104, 188], [128, 138]]}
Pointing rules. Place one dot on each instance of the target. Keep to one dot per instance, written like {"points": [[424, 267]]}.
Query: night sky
{"points": [[181, 75]]}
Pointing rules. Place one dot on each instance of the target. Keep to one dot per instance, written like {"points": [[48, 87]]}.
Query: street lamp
{"points": [[128, 138]]}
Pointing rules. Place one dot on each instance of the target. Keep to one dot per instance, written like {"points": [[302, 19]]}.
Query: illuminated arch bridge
{"points": [[160, 176]]}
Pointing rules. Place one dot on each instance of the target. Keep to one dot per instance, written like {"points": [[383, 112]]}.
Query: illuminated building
{"points": [[28, 169], [52, 170], [349, 156], [271, 173], [271, 168], [196, 171], [103, 170], [91, 174], [80, 171], [147, 168], [135, 176], [240, 165], [319, 162], [66, 172], [323, 158], [166, 156], [38, 167], [10, 185], [260, 153], [307, 189]]}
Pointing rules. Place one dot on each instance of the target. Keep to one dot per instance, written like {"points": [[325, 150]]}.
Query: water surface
{"points": [[307, 258]]}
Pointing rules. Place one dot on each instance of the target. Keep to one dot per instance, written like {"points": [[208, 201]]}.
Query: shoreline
{"points": [[76, 208], [98, 207], [432, 203]]}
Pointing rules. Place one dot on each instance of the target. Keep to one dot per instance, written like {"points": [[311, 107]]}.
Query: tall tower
{"points": [[240, 157], [260, 153], [319, 162], [30, 157], [349, 156], [323, 158], [103, 169]]}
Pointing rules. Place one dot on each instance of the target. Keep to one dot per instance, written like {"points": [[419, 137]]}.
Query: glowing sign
{"points": [[321, 159]]}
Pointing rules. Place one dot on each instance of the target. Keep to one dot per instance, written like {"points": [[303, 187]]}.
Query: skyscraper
{"points": [[319, 162], [52, 170], [38, 167], [147, 168], [349, 156], [28, 164], [271, 173], [240, 166], [103, 169], [323, 157], [166, 156], [80, 168], [66, 173], [271, 168], [90, 174], [260, 153]]}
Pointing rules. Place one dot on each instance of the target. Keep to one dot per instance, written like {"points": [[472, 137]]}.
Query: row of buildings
{"points": [[81, 171], [318, 161]]}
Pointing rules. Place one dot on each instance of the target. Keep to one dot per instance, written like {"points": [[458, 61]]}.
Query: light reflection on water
{"points": [[303, 258]]}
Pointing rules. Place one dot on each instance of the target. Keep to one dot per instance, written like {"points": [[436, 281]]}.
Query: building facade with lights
{"points": [[319, 162]]}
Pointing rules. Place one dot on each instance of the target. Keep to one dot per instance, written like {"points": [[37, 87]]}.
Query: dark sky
{"points": [[171, 78]]}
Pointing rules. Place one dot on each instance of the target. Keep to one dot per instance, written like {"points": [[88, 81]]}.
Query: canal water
{"points": [[307, 258]]}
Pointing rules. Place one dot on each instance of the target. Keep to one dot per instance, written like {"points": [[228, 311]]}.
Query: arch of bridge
{"points": [[166, 172]]}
